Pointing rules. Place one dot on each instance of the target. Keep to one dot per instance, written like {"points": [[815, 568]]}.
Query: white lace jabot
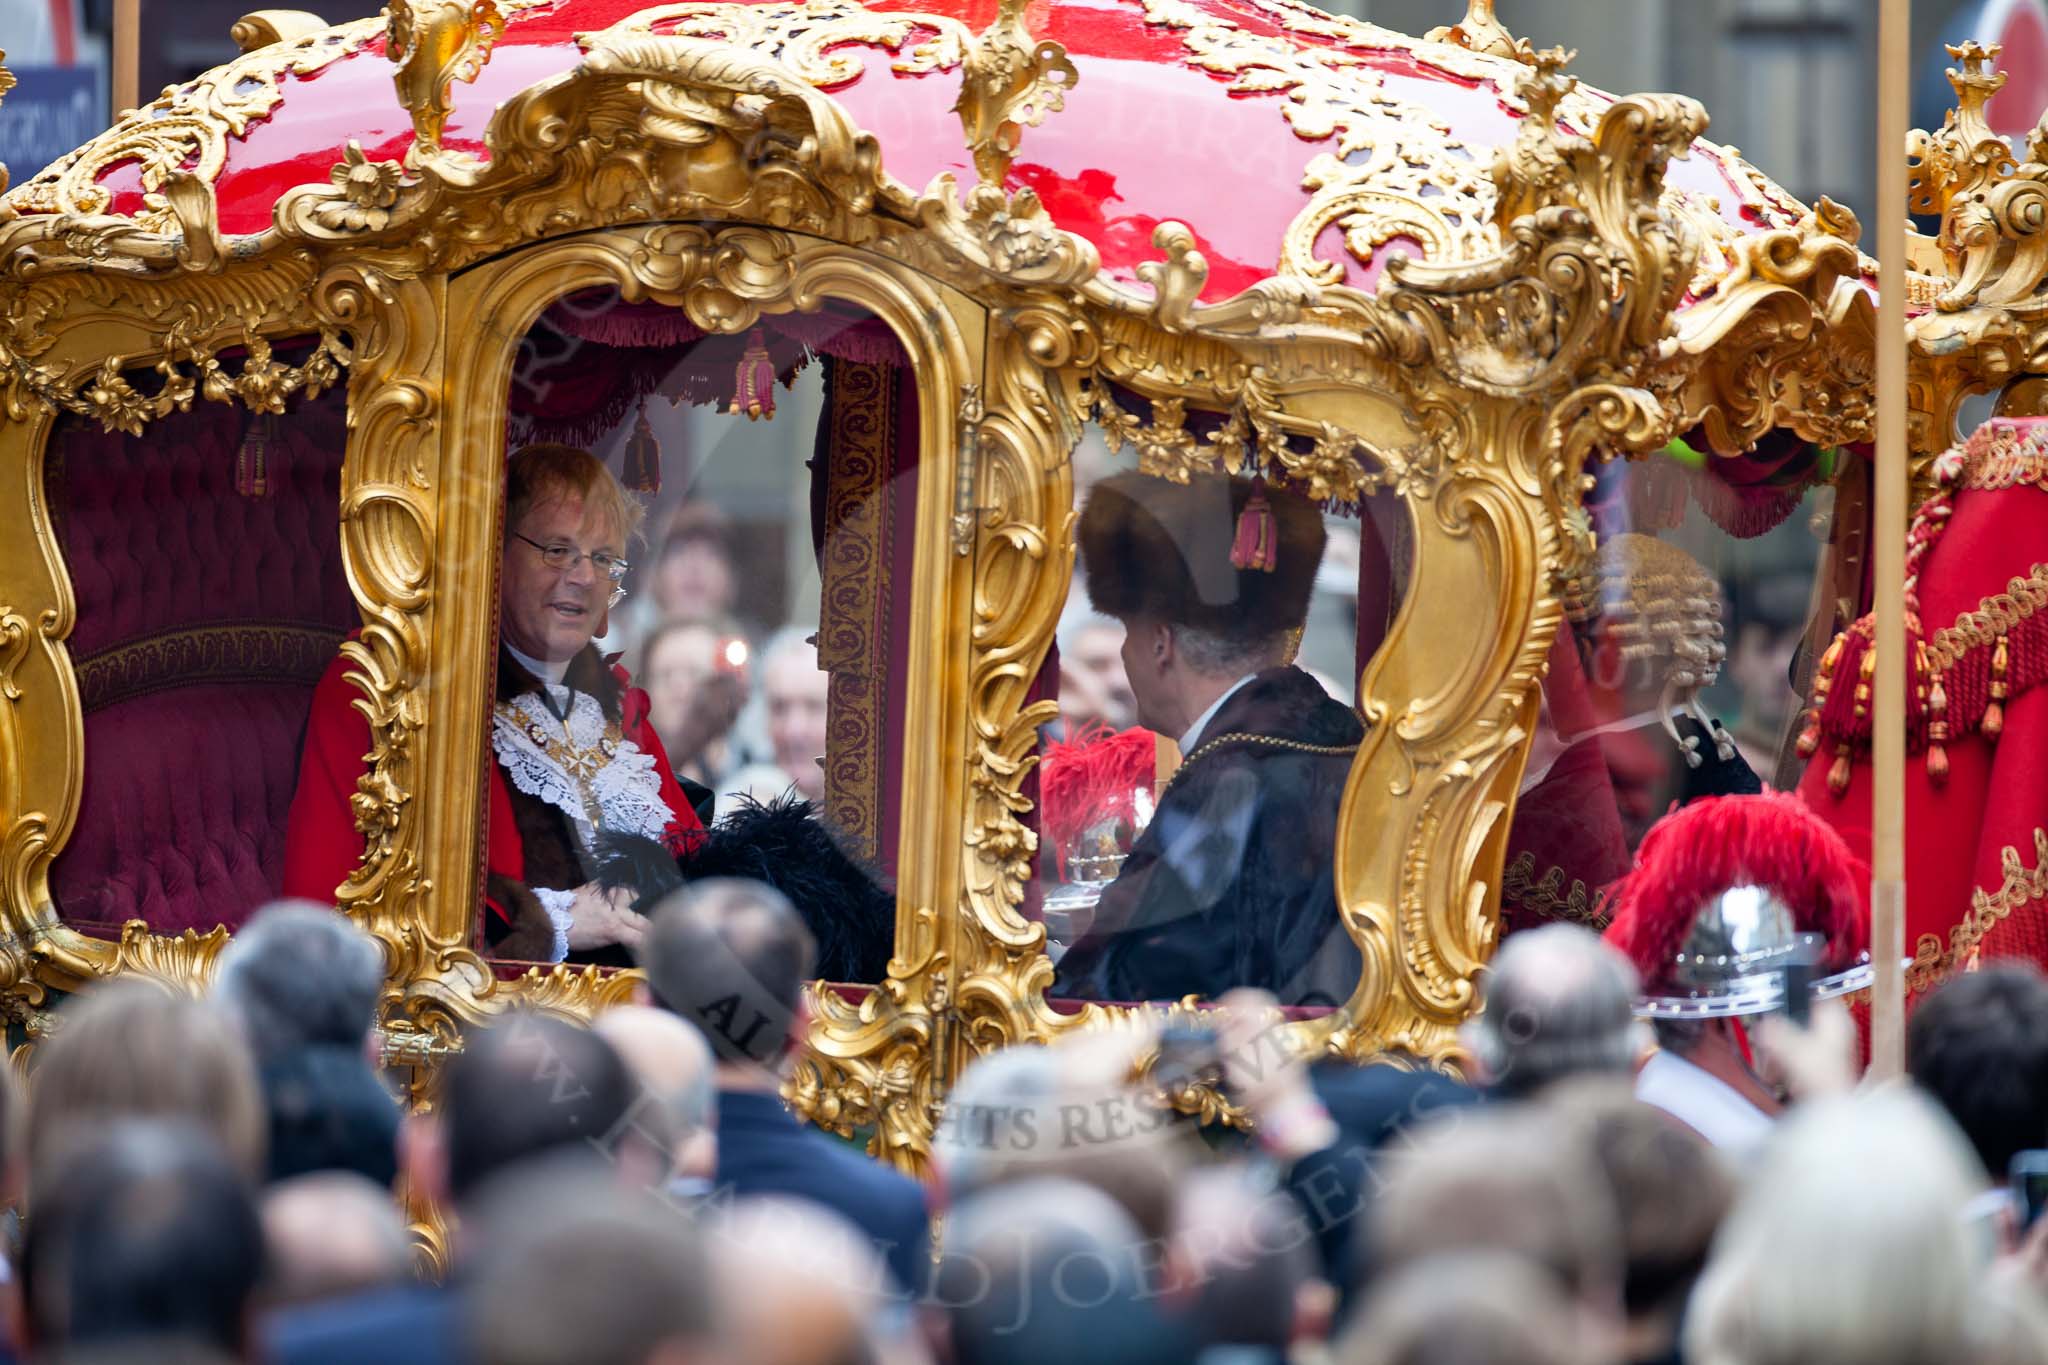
{"points": [[582, 767]]}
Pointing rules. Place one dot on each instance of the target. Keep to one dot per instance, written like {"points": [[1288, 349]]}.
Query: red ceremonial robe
{"points": [[1976, 796], [323, 845]]}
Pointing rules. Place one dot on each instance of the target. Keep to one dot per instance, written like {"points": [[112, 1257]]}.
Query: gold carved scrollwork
{"points": [[186, 128], [1989, 321], [1012, 81], [433, 44]]}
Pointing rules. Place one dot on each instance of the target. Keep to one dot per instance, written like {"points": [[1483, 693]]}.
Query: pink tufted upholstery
{"points": [[204, 619]]}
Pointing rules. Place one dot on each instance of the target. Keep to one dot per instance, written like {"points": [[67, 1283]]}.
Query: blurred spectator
{"points": [[1093, 686], [1248, 1259], [678, 1101], [1700, 1077], [1508, 1178], [1556, 1002], [795, 690], [331, 1235], [1051, 1270], [1978, 1044], [1028, 1113], [131, 1049], [1770, 620], [1847, 1245], [732, 958], [694, 673], [527, 1088], [145, 1237], [693, 575], [572, 1267], [801, 1286], [1670, 1190], [1472, 1308], [303, 982]]}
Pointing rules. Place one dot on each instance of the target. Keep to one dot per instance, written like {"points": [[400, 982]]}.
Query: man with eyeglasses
{"points": [[575, 756]]}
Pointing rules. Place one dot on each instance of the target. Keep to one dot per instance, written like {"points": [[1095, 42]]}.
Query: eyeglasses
{"points": [[562, 558]]}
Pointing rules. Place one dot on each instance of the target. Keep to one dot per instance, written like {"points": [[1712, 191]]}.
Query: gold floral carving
{"points": [[432, 44], [1988, 323], [186, 128], [1480, 31], [1012, 81], [810, 37]]}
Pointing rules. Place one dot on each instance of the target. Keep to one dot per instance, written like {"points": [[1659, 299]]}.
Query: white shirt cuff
{"points": [[557, 904]]}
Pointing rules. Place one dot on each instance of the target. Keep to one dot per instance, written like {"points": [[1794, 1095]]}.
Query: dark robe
{"points": [[1232, 884]]}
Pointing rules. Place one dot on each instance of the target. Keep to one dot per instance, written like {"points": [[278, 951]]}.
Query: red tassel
{"points": [[643, 458], [255, 476], [753, 388], [1256, 545], [1993, 724]]}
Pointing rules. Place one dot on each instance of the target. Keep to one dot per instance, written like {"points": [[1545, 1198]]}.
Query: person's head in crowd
{"points": [[1248, 1260], [799, 1285], [674, 1069], [300, 975], [528, 1086], [1512, 1178], [331, 1235], [1556, 1002], [1770, 614], [1031, 1112], [1848, 1244], [680, 660], [302, 982], [145, 1233], [732, 957], [1093, 686], [1978, 1044], [1044, 1270], [132, 1049], [1670, 1191], [795, 691], [561, 501], [694, 578], [1468, 1308], [570, 1266]]}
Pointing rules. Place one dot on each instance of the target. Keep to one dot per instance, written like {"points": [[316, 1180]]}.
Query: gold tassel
{"points": [[1994, 713], [1838, 775], [1823, 679], [1937, 733]]}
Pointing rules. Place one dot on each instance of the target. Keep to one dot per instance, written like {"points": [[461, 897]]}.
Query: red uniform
{"points": [[1976, 788]]}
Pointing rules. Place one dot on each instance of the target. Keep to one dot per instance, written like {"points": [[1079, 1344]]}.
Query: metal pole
{"points": [[1888, 531], [127, 55]]}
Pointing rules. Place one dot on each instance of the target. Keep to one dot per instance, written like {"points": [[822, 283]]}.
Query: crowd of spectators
{"points": [[229, 1179]]}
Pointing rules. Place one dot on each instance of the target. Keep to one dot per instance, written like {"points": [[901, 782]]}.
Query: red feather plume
{"points": [[1696, 852], [1094, 776]]}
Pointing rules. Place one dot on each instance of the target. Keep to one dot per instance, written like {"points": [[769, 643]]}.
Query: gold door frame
{"points": [[421, 886]]}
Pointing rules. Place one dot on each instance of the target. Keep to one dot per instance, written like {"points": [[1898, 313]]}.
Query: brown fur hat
{"points": [[1162, 549]]}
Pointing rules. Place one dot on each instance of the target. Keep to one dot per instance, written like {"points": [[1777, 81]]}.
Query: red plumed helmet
{"points": [[1690, 861]]}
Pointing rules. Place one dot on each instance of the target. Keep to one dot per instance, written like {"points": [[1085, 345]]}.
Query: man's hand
{"points": [[1811, 1062], [598, 919]]}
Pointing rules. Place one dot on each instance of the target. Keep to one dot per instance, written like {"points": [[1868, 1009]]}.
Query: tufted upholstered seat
{"points": [[205, 616]]}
